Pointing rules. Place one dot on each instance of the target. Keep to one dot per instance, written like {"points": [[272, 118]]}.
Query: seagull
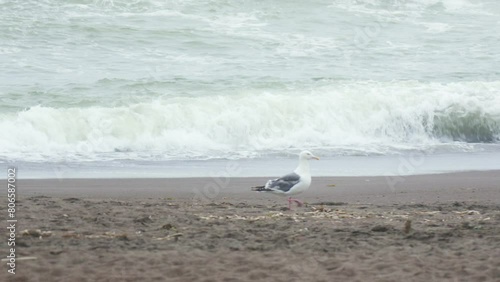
{"points": [[293, 183]]}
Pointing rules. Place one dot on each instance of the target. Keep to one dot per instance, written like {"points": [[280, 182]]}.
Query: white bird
{"points": [[293, 183]]}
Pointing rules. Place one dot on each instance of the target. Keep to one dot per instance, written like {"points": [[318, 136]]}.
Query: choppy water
{"points": [[195, 80]]}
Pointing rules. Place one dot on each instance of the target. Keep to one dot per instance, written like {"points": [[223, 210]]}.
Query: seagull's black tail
{"points": [[260, 189]]}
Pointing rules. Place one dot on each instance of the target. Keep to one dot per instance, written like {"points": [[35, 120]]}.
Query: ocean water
{"points": [[180, 88]]}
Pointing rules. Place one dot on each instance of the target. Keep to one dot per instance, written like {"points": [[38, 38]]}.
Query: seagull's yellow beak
{"points": [[316, 158]]}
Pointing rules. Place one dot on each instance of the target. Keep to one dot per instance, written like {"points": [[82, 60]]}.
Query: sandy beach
{"points": [[443, 227]]}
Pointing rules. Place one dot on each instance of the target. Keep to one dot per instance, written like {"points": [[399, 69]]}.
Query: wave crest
{"points": [[347, 116]]}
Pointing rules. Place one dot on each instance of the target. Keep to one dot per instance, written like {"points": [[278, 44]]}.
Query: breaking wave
{"points": [[340, 118]]}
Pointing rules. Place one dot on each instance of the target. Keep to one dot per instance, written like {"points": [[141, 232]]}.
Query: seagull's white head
{"points": [[306, 155]]}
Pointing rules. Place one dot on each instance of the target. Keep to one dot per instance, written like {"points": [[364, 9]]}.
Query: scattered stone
{"points": [[321, 209], [407, 227], [71, 200], [168, 226], [380, 228], [56, 252], [32, 232], [144, 220], [36, 233]]}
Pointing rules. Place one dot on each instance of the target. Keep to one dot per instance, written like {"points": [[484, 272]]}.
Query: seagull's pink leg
{"points": [[290, 200], [299, 203]]}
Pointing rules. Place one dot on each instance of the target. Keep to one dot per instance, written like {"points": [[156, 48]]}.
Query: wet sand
{"points": [[417, 228]]}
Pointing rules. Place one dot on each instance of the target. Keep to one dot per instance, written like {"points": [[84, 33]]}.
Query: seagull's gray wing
{"points": [[284, 183]]}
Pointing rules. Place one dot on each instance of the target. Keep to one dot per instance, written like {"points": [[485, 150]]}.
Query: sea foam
{"points": [[353, 117]]}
